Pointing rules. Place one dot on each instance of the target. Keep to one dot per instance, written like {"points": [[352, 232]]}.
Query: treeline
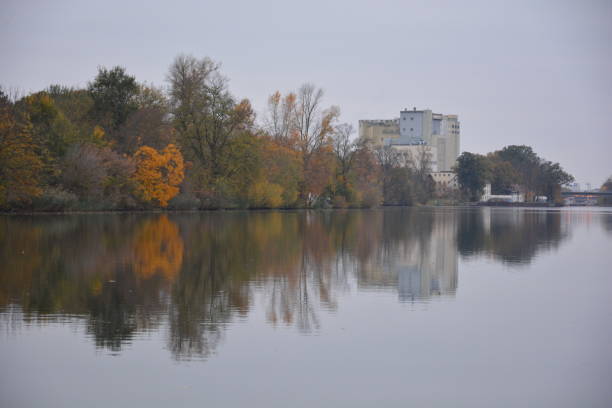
{"points": [[511, 169], [119, 144]]}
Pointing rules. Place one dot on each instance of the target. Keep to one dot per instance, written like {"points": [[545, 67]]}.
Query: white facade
{"points": [[439, 131], [417, 127], [413, 154], [509, 198]]}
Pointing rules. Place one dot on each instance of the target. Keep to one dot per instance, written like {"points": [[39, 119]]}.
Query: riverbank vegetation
{"points": [[119, 144], [511, 169]]}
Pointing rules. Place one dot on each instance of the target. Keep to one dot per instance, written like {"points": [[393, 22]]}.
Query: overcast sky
{"points": [[516, 72]]}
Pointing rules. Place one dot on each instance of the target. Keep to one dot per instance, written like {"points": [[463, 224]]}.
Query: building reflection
{"points": [[192, 275], [422, 262]]}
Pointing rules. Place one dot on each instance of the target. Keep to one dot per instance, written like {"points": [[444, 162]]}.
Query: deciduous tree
{"points": [[206, 116], [472, 174], [159, 174], [114, 97], [279, 122], [20, 166]]}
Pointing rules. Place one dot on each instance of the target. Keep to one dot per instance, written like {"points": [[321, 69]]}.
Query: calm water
{"points": [[396, 307]]}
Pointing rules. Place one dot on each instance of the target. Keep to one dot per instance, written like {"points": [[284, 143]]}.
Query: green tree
{"points": [[551, 178], [472, 174], [207, 119], [400, 188], [76, 105], [526, 163], [114, 96], [503, 176]]}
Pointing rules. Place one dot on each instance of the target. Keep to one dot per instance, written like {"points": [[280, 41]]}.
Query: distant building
{"points": [[376, 131], [441, 133], [415, 153], [515, 197]]}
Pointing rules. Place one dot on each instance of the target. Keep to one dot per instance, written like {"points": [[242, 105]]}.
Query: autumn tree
{"points": [[319, 172], [365, 178], [76, 105], [83, 172], [313, 128], [282, 166], [158, 174], [279, 122], [20, 166], [50, 128], [99, 176]]}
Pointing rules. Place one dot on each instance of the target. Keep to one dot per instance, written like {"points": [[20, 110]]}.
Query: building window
{"points": [[411, 118], [411, 129]]}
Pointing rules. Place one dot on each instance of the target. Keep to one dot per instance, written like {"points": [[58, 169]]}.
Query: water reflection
{"points": [[513, 236], [193, 274], [418, 256]]}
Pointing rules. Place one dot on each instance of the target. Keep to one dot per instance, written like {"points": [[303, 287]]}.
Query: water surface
{"points": [[396, 307]]}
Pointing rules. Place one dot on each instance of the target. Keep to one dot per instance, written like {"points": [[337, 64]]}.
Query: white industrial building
{"points": [[439, 133]]}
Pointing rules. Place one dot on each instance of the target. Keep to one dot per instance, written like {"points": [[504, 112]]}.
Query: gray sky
{"points": [[516, 72]]}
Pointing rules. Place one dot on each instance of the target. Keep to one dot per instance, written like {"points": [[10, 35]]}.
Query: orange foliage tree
{"points": [[318, 174], [299, 122], [282, 166], [158, 174]]}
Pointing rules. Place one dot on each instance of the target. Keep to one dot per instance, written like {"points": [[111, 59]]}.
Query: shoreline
{"points": [[384, 207]]}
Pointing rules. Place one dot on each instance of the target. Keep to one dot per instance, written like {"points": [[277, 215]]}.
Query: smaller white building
{"points": [[515, 197]]}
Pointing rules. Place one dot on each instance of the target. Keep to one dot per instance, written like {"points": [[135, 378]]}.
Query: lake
{"points": [[472, 307]]}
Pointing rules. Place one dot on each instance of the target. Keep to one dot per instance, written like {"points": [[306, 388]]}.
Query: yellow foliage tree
{"points": [[263, 194], [158, 174], [282, 166], [20, 166]]}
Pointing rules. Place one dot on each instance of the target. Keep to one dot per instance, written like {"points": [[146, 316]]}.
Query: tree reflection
{"points": [[196, 273], [514, 237], [92, 266]]}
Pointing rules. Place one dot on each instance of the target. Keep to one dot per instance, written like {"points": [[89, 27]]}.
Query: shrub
{"points": [[56, 199], [185, 201]]}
